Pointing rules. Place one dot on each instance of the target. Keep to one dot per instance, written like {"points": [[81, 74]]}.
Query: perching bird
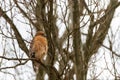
{"points": [[38, 48]]}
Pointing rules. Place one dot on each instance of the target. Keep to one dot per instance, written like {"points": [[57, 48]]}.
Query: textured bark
{"points": [[77, 41]]}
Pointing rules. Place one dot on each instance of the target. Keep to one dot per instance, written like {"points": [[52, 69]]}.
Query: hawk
{"points": [[38, 48]]}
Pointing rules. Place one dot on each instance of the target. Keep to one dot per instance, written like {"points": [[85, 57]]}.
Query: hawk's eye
{"points": [[43, 35]]}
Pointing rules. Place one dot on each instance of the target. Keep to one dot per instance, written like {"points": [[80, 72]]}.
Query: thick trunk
{"points": [[77, 42]]}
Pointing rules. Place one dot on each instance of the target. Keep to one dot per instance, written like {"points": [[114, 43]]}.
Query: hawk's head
{"points": [[40, 33]]}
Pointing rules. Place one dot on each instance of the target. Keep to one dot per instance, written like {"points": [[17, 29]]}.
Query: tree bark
{"points": [[77, 41]]}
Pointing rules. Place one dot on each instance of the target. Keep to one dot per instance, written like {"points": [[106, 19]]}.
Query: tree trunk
{"points": [[77, 42]]}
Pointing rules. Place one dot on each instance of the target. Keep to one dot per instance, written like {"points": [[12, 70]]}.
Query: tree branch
{"points": [[111, 50], [19, 38], [23, 12], [47, 68], [16, 58], [100, 34], [14, 66]]}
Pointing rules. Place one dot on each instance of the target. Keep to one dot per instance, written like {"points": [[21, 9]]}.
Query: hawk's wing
{"points": [[38, 48]]}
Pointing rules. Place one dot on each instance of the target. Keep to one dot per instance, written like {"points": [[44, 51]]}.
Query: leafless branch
{"points": [[16, 32]]}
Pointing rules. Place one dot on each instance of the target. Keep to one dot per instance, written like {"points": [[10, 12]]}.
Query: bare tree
{"points": [[75, 30]]}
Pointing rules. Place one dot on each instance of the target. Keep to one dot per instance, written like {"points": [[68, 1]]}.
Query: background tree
{"points": [[78, 33]]}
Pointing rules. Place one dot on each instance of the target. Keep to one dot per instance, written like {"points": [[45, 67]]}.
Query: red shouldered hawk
{"points": [[38, 48]]}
